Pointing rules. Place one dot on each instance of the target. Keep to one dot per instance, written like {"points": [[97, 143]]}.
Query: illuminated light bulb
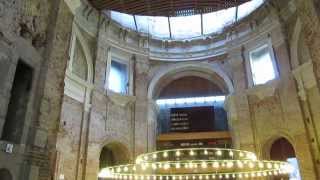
{"points": [[125, 169], [240, 176], [205, 152], [178, 165], [215, 164], [229, 164], [240, 164], [213, 176], [166, 166], [193, 177], [165, 154], [219, 153], [253, 175], [138, 161], [251, 165], [261, 165], [186, 166], [154, 156], [259, 174], [233, 176], [207, 177], [231, 153], [252, 156], [246, 175], [264, 174], [220, 176], [154, 166], [178, 153], [200, 177], [118, 170], [204, 165], [269, 165], [191, 153], [241, 154]]}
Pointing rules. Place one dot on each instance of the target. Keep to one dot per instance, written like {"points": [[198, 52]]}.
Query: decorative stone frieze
{"points": [[120, 99], [265, 90], [305, 77]]}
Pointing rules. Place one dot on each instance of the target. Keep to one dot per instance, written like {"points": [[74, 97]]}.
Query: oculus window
{"points": [[118, 77], [262, 65], [185, 27]]}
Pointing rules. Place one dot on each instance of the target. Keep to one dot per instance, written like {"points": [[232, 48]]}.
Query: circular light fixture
{"points": [[197, 163]]}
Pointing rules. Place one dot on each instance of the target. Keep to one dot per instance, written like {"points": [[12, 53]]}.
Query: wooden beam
{"points": [[194, 136], [163, 7]]}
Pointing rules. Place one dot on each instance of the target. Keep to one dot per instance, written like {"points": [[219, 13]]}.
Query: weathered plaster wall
{"points": [[93, 117], [25, 36]]}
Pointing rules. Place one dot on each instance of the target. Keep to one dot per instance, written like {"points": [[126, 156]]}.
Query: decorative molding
{"points": [[305, 77], [120, 99], [264, 90], [76, 88]]}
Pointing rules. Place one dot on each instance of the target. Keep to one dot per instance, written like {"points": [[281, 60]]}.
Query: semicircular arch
{"points": [[211, 72]]}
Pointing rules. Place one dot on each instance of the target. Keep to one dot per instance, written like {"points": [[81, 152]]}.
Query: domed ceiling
{"points": [[177, 19]]}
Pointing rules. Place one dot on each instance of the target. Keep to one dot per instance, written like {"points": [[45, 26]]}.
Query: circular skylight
{"points": [[185, 27]]}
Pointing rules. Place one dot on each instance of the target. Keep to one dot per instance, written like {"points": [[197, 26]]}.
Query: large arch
{"points": [[87, 52], [5, 174], [166, 74]]}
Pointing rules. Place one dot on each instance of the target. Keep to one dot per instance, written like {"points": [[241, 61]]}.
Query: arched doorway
{"points": [[282, 150], [5, 174], [113, 154]]}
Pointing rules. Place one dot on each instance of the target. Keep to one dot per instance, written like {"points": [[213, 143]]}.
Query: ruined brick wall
{"points": [[31, 32]]}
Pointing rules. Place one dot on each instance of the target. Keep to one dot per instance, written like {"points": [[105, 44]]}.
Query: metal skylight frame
{"points": [[161, 31]]}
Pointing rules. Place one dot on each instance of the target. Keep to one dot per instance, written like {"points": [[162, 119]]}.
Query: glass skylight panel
{"points": [[215, 22], [125, 20], [156, 26], [143, 23], [185, 26], [246, 8], [262, 66]]}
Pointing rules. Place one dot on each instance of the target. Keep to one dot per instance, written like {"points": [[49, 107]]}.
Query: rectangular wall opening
{"points": [[17, 108]]}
